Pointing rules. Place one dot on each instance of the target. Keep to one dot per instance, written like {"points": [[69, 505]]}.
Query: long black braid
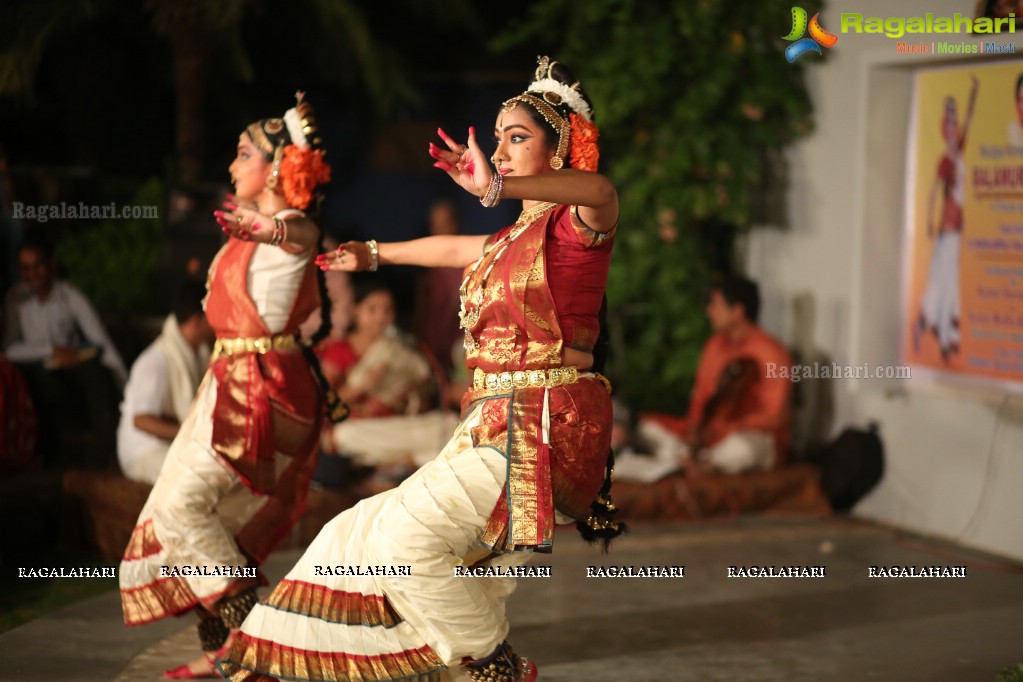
{"points": [[601, 525], [337, 410]]}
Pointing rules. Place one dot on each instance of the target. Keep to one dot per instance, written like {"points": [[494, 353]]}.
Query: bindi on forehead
{"points": [[515, 119]]}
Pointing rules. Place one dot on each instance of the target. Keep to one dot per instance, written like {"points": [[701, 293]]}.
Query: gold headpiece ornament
{"points": [[560, 125], [293, 145], [544, 94]]}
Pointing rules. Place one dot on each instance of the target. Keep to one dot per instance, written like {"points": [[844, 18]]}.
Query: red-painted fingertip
{"points": [[229, 206], [219, 214], [472, 131]]}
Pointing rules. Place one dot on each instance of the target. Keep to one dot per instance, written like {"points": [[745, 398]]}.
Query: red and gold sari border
{"points": [[143, 542], [530, 501], [262, 657], [159, 599], [333, 606]]}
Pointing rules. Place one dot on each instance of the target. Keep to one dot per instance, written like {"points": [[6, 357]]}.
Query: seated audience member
{"points": [[162, 383], [371, 367], [382, 379], [54, 336], [645, 451], [739, 418]]}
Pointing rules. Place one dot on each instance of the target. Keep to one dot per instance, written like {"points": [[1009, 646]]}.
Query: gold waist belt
{"points": [[537, 378], [261, 345]]}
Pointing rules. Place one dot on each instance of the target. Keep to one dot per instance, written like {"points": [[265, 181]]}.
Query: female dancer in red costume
{"points": [[530, 452], [235, 478]]}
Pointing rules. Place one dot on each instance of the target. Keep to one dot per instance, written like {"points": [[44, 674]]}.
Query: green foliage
{"points": [[115, 262], [691, 97], [1011, 674]]}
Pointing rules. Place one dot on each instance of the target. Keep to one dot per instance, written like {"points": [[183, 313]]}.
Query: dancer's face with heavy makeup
{"points": [[249, 170], [522, 145]]}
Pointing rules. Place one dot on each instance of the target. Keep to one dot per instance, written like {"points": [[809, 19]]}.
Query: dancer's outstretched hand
{"points": [[465, 163], [349, 257], [244, 223]]}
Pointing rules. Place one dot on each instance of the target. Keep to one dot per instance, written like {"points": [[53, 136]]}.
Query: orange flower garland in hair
{"points": [[583, 153], [302, 171]]}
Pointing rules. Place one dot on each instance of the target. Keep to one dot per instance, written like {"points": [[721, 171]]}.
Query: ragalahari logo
{"points": [[818, 36]]}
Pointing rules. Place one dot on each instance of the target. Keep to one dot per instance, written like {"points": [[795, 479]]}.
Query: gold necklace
{"points": [[469, 317]]}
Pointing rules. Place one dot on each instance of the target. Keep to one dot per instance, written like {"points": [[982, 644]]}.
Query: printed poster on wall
{"points": [[963, 300]]}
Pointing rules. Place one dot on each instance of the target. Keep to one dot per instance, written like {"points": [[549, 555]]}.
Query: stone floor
{"points": [[704, 627]]}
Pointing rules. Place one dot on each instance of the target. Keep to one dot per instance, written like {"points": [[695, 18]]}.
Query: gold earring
{"points": [[275, 172]]}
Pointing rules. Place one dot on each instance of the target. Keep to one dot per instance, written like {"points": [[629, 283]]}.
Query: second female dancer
{"points": [[235, 478], [532, 448]]}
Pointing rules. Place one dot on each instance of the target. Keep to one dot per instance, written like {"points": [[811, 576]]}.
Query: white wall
{"points": [[954, 454]]}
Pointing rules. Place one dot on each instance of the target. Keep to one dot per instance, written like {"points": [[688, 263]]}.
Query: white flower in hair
{"points": [[301, 123], [568, 95], [293, 120]]}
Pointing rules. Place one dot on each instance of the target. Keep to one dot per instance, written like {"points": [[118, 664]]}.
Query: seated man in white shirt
{"points": [[74, 372], [161, 386]]}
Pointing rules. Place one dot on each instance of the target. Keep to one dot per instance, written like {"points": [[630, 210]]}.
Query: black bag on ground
{"points": [[851, 466]]}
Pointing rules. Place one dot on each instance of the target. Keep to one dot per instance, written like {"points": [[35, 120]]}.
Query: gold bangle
{"points": [[280, 233], [492, 197], [374, 255]]}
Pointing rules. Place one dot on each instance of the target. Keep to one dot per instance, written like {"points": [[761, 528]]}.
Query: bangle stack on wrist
{"points": [[492, 197], [280, 232], [374, 255]]}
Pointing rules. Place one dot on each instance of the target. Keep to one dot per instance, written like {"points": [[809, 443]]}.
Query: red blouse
{"points": [[578, 259], [531, 296]]}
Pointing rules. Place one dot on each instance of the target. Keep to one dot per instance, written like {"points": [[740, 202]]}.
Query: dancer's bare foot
{"points": [[211, 632], [202, 666]]}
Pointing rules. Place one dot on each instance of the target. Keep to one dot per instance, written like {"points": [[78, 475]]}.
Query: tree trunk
{"points": [[191, 62]]}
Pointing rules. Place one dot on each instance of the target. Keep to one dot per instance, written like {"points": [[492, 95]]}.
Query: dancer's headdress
{"points": [[567, 112], [294, 146]]}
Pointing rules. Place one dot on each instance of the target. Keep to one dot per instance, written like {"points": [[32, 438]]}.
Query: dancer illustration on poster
{"points": [[940, 306]]}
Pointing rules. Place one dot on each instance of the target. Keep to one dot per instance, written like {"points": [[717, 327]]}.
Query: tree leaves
{"points": [[694, 99]]}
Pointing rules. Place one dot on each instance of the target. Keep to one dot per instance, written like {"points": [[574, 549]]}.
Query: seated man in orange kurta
{"points": [[739, 418]]}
